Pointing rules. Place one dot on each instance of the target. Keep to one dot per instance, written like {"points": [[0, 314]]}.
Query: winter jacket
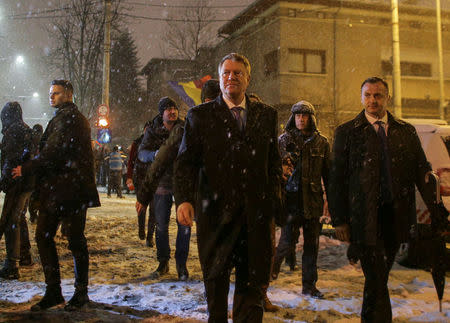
{"points": [[65, 164], [155, 135], [162, 164], [315, 159], [354, 189], [16, 148], [116, 162]]}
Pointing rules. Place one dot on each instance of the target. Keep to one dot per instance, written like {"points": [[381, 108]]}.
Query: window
{"points": [[306, 61], [271, 63], [408, 68]]}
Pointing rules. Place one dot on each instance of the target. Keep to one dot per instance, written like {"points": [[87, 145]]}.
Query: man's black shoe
{"points": [[9, 272], [149, 243], [52, 297], [78, 300], [162, 269], [313, 292], [183, 273]]}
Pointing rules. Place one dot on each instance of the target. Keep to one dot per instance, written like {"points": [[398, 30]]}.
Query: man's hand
{"points": [[130, 184], [140, 207], [185, 214], [16, 172], [343, 232]]}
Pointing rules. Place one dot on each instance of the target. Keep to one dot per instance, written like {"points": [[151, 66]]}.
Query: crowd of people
{"points": [[227, 170]]}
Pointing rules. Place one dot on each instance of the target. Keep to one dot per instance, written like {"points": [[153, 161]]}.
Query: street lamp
{"points": [[35, 95], [20, 60]]}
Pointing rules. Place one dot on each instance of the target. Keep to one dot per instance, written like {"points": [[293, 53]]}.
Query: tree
{"points": [[126, 93], [190, 29], [78, 51]]}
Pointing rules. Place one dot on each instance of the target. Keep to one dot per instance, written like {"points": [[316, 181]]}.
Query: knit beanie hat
{"points": [[303, 107], [165, 103]]}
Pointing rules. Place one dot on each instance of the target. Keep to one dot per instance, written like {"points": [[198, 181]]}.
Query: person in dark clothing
{"points": [[163, 124], [377, 161], [16, 148], [116, 165], [33, 204], [65, 168], [309, 152], [136, 171], [228, 170], [210, 90]]}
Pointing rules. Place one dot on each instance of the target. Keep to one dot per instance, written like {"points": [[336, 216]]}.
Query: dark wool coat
{"points": [[65, 164], [16, 148], [162, 164], [238, 177], [354, 189], [315, 152]]}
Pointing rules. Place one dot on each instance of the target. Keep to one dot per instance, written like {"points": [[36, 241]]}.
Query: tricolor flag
{"points": [[190, 91]]}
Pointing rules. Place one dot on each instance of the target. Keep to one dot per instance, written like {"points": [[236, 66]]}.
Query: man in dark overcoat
{"points": [[65, 169], [377, 161], [228, 170]]}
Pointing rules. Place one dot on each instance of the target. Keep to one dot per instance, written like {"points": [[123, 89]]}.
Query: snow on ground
{"points": [[121, 266]]}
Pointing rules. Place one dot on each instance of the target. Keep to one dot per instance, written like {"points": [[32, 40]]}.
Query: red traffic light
{"points": [[102, 122]]}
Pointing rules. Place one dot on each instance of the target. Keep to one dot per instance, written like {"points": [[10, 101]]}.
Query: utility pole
{"points": [[106, 53], [396, 76], [441, 64]]}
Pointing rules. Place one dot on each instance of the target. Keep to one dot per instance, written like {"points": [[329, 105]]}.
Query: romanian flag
{"points": [[190, 91]]}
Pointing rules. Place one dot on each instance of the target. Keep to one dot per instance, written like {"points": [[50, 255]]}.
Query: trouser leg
{"points": [[163, 204], [78, 247], [182, 244], [25, 245], [151, 225], [47, 225], [217, 297], [311, 230]]}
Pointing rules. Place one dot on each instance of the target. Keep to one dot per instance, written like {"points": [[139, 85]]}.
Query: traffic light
{"points": [[102, 122]]}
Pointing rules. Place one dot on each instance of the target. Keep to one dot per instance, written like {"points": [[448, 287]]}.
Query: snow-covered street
{"points": [[121, 288]]}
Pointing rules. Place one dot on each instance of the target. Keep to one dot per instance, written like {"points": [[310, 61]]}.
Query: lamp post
{"points": [[441, 64], [396, 74]]}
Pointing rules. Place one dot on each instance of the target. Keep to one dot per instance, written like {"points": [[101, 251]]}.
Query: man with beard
{"points": [[65, 168], [308, 151], [16, 148], [160, 189], [229, 168], [377, 161]]}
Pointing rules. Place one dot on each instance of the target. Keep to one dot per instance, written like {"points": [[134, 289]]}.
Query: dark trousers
{"points": [[16, 230], [163, 205], [115, 182], [74, 219], [248, 297], [288, 240], [376, 263]]}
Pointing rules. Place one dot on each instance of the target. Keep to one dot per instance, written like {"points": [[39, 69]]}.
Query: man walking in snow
{"points": [[228, 171], [65, 168]]}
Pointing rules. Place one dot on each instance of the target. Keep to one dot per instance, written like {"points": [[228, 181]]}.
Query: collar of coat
{"points": [[361, 120], [64, 106]]}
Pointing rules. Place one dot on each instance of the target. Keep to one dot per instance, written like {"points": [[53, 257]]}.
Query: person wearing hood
{"points": [[308, 152], [16, 148], [65, 168], [160, 188]]}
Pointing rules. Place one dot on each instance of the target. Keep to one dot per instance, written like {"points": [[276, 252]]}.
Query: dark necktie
{"points": [[385, 169], [237, 115]]}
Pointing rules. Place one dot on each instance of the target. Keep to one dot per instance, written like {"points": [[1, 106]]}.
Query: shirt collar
{"points": [[372, 119], [232, 105]]}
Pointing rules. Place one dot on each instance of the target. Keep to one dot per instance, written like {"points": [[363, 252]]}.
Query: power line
{"points": [[175, 6], [177, 20]]}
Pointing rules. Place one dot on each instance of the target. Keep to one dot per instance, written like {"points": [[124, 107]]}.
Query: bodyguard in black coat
{"points": [[65, 169], [377, 161], [231, 177]]}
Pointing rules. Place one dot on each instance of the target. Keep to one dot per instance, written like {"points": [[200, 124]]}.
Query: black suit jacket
{"points": [[233, 180], [354, 189]]}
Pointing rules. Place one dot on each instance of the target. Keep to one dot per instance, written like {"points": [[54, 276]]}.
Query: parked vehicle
{"points": [[435, 139]]}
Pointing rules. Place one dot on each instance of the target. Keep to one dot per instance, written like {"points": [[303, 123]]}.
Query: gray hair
{"points": [[237, 58]]}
